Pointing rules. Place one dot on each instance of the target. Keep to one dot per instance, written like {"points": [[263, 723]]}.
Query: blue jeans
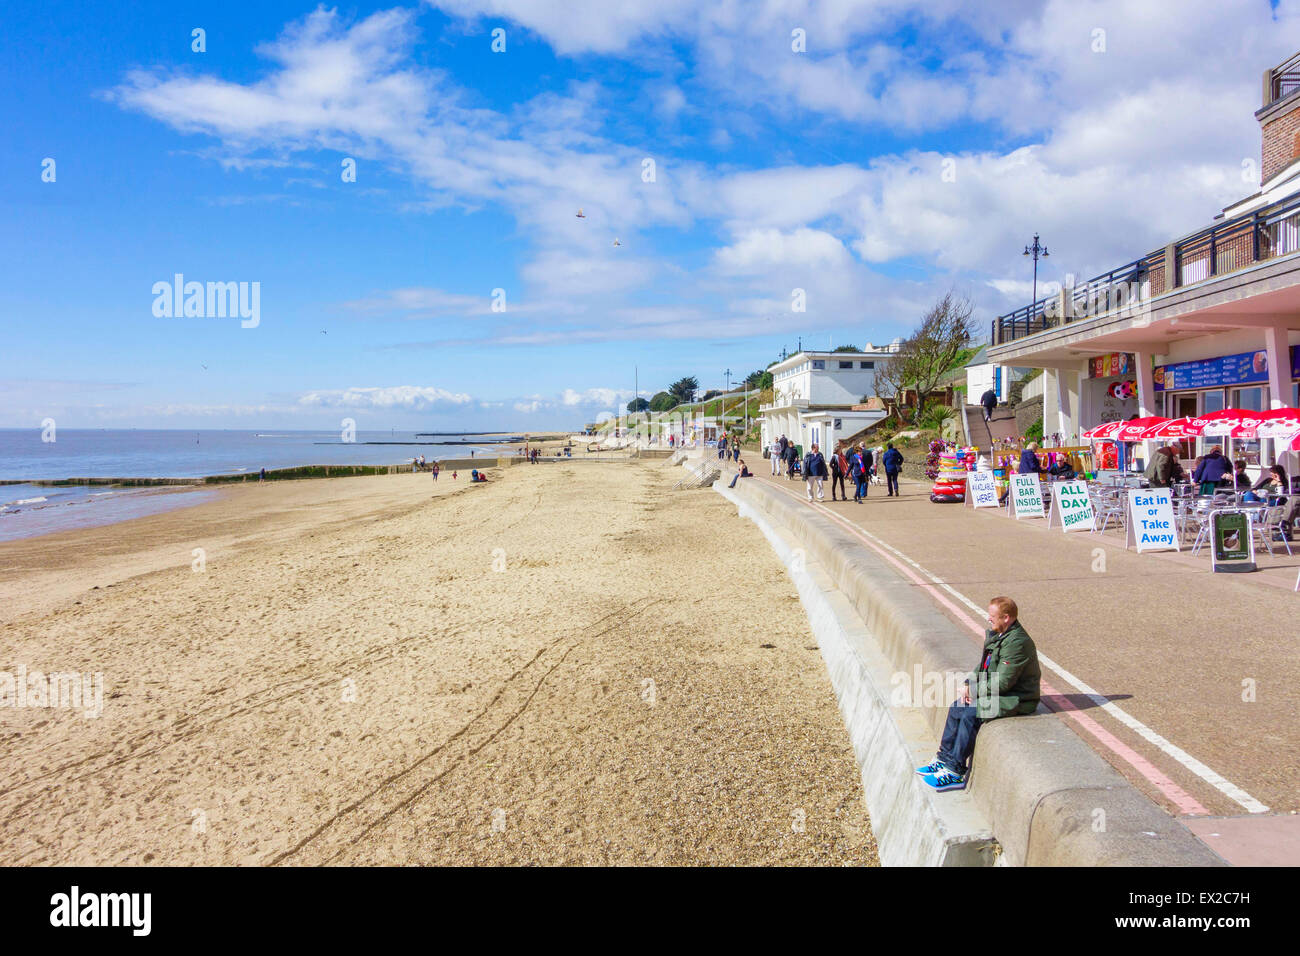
{"points": [[860, 486], [959, 732], [891, 477]]}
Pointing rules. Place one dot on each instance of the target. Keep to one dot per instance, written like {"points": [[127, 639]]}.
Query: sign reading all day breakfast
{"points": [[1151, 520], [1071, 506], [982, 490], [1027, 496]]}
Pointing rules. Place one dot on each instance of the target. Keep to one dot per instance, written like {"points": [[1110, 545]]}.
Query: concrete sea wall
{"points": [[1038, 794]]}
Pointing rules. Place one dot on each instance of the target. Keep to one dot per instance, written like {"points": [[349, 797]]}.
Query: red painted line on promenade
{"points": [[1184, 801]]}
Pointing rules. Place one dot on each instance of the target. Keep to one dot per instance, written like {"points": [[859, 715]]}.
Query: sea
{"points": [[25, 456]]}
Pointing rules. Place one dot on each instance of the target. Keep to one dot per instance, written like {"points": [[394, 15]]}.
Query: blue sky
{"points": [[774, 170]]}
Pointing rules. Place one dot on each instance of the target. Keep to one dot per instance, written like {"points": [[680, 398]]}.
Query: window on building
{"points": [[846, 365], [1248, 399], [819, 363], [866, 365]]}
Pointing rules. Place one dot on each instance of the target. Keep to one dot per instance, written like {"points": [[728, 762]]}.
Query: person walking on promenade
{"points": [[722, 447], [814, 472], [858, 472], [839, 468], [791, 457], [868, 466], [892, 459], [990, 401], [1007, 683], [774, 454]]}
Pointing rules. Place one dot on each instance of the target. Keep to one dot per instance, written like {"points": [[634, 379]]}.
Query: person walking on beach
{"points": [[434, 469], [261, 477], [839, 468], [1007, 683], [814, 471], [893, 462]]}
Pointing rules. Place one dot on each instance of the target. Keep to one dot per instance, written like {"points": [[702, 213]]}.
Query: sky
{"points": [[732, 161]]}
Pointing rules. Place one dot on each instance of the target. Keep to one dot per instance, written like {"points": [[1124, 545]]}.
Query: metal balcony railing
{"points": [[1268, 233], [1284, 80]]}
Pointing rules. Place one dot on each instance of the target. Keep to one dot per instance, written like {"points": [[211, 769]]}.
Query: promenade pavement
{"points": [[1187, 682]]}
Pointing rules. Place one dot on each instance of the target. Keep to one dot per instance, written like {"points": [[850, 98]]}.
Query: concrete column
{"points": [[1279, 365], [1064, 406], [1171, 266], [1146, 384], [1279, 381]]}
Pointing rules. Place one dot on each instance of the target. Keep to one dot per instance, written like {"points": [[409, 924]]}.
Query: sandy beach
{"points": [[572, 664]]}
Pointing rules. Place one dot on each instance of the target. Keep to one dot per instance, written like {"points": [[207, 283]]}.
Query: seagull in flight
{"points": [[204, 367], [616, 242]]}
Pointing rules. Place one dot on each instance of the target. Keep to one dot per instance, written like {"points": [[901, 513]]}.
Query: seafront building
{"points": [[820, 397], [1210, 321]]}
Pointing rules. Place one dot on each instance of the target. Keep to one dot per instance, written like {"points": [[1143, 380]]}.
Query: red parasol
{"points": [[1103, 432], [1172, 428], [1223, 422], [1274, 423], [1136, 429]]}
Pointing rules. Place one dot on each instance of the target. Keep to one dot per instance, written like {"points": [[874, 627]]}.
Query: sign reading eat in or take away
{"points": [[1151, 520], [981, 490], [1071, 506], [1027, 496]]}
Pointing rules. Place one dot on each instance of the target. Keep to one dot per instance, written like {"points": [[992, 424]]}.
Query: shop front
{"points": [[1110, 388], [1240, 380]]}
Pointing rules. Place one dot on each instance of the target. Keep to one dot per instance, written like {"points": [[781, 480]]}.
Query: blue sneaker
{"points": [[945, 780], [935, 767]]}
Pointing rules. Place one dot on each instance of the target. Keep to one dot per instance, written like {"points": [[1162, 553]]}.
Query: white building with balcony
{"points": [[1211, 321], [818, 396]]}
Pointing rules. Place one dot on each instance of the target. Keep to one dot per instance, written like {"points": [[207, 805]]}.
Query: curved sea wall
{"points": [[1038, 794]]}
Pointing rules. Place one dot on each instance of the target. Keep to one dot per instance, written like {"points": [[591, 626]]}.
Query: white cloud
{"points": [[413, 397], [759, 250]]}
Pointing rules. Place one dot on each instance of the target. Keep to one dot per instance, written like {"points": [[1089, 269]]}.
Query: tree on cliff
{"points": [[684, 389], [662, 402], [927, 356]]}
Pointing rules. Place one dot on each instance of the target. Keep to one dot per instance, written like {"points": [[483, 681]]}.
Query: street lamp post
{"points": [[1037, 251], [722, 403]]}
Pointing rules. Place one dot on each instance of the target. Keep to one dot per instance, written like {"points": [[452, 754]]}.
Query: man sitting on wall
{"points": [[1006, 684]]}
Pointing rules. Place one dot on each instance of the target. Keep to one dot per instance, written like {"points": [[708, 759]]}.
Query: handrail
{"points": [[1223, 248]]}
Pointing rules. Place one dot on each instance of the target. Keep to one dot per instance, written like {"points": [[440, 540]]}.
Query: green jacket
{"points": [[1011, 685]]}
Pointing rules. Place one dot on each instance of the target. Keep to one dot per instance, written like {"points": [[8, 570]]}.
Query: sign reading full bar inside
{"points": [[1026, 496]]}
